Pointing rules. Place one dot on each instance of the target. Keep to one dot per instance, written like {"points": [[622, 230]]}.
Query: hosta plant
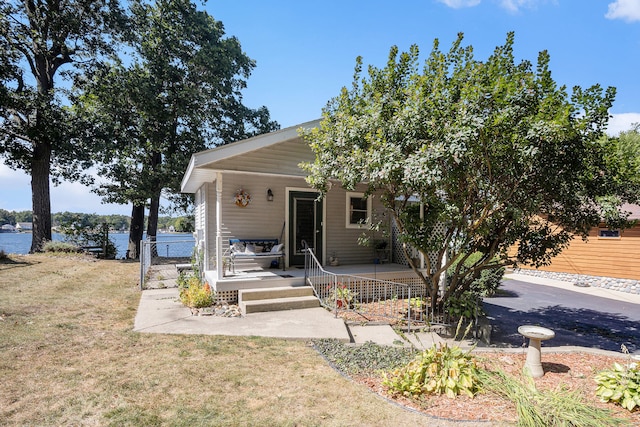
{"points": [[438, 370], [620, 385]]}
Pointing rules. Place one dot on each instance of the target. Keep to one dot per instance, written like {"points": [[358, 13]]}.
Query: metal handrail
{"points": [[368, 297]]}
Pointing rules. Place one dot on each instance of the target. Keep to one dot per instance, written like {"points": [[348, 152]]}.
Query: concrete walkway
{"points": [[160, 311]]}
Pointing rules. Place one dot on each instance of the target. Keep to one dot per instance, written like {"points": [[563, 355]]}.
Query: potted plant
{"points": [[344, 297]]}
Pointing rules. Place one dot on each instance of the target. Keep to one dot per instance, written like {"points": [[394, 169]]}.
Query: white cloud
{"points": [[458, 4], [12, 177], [516, 5], [622, 122], [627, 10]]}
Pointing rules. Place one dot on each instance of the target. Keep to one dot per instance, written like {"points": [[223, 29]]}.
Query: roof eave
{"points": [[191, 181]]}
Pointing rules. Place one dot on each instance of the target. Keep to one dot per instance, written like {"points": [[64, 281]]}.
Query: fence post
{"points": [[409, 312], [335, 295], [142, 263]]}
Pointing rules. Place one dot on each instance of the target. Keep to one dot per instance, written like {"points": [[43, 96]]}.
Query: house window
{"points": [[605, 233], [358, 210]]}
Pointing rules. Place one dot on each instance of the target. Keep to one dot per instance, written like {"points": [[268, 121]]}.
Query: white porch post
{"points": [[443, 277], [219, 252]]}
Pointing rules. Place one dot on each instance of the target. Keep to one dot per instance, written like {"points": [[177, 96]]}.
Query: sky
{"points": [[305, 53]]}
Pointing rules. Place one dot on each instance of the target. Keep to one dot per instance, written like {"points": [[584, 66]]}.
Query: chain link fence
{"points": [[162, 260]]}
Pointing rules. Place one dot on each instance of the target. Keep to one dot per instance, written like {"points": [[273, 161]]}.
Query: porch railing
{"points": [[370, 299]]}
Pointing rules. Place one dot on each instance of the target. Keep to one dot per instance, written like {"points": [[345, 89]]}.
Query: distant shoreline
{"points": [[171, 243]]}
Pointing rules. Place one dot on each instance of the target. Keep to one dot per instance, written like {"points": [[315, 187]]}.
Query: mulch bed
{"points": [[572, 371]]}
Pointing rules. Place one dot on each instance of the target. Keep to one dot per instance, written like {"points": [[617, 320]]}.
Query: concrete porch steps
{"points": [[276, 299]]}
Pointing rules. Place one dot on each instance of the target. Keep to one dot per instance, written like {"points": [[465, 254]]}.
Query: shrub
{"points": [[439, 370], [193, 293], [200, 296], [57, 246], [465, 307], [344, 296], [80, 234], [488, 281]]}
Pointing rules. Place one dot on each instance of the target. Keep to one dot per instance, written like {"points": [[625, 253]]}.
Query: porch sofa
{"points": [[255, 249]]}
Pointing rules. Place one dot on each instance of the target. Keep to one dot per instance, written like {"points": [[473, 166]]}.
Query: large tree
{"points": [[179, 93], [470, 157], [39, 40], [624, 157]]}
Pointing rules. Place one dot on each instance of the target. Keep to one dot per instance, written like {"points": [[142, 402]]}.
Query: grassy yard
{"points": [[68, 356]]}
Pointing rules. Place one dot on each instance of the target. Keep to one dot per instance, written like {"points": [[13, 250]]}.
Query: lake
{"points": [[169, 244]]}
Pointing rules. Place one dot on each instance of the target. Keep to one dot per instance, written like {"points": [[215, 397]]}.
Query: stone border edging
{"points": [[612, 283]]}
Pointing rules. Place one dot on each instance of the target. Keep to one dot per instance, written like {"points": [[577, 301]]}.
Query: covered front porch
{"points": [[256, 277]]}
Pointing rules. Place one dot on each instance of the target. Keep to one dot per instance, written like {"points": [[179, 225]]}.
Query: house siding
{"points": [[342, 242], [280, 159], [601, 257], [263, 219]]}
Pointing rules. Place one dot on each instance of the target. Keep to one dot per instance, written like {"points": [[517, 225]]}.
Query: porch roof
{"points": [[249, 156]]}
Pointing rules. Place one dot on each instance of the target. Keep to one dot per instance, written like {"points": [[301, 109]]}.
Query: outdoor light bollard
{"points": [[536, 335]]}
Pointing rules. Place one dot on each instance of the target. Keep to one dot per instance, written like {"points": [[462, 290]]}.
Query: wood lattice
{"points": [[398, 254]]}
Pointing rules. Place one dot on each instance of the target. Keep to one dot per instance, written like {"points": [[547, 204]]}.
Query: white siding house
{"points": [[7, 228], [275, 202]]}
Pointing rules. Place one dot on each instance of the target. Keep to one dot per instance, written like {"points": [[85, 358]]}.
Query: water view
{"points": [[169, 244]]}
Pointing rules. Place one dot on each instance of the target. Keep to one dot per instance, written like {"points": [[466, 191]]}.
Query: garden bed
{"points": [[567, 371], [571, 371]]}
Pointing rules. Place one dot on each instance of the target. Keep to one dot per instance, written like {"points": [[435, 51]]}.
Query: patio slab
{"points": [[379, 334], [160, 311]]}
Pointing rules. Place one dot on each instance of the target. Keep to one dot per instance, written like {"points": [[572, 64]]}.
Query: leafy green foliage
{"points": [[13, 217], [487, 282], [470, 157], [179, 93], [438, 370], [39, 132], [115, 222], [363, 359], [464, 307], [620, 385], [559, 407], [344, 296], [184, 224], [79, 234], [194, 293]]}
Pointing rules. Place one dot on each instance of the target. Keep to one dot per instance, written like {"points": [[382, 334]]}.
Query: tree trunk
{"points": [[136, 231], [40, 196], [152, 223]]}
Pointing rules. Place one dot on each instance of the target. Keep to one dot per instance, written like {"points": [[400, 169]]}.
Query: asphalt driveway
{"points": [[578, 318]]}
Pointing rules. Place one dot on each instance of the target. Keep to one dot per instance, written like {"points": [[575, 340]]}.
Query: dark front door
{"points": [[305, 225]]}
